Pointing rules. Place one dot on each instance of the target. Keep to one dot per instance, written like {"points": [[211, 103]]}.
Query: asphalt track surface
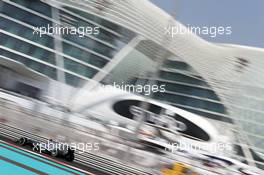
{"points": [[17, 160]]}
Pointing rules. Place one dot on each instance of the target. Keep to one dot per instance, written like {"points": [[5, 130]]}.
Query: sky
{"points": [[246, 17]]}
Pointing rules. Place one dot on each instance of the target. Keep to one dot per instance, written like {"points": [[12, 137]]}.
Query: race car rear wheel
{"points": [[22, 141]]}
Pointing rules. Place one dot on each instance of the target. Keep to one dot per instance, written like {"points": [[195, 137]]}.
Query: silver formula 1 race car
{"points": [[55, 149]]}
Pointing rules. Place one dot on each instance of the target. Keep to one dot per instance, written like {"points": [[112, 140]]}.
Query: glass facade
{"points": [[187, 90], [82, 57]]}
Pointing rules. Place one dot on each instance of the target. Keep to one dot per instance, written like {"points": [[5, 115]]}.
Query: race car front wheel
{"points": [[69, 157], [54, 153]]}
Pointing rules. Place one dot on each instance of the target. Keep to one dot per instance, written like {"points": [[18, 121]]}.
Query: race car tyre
{"points": [[69, 157], [54, 153], [22, 141]]}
